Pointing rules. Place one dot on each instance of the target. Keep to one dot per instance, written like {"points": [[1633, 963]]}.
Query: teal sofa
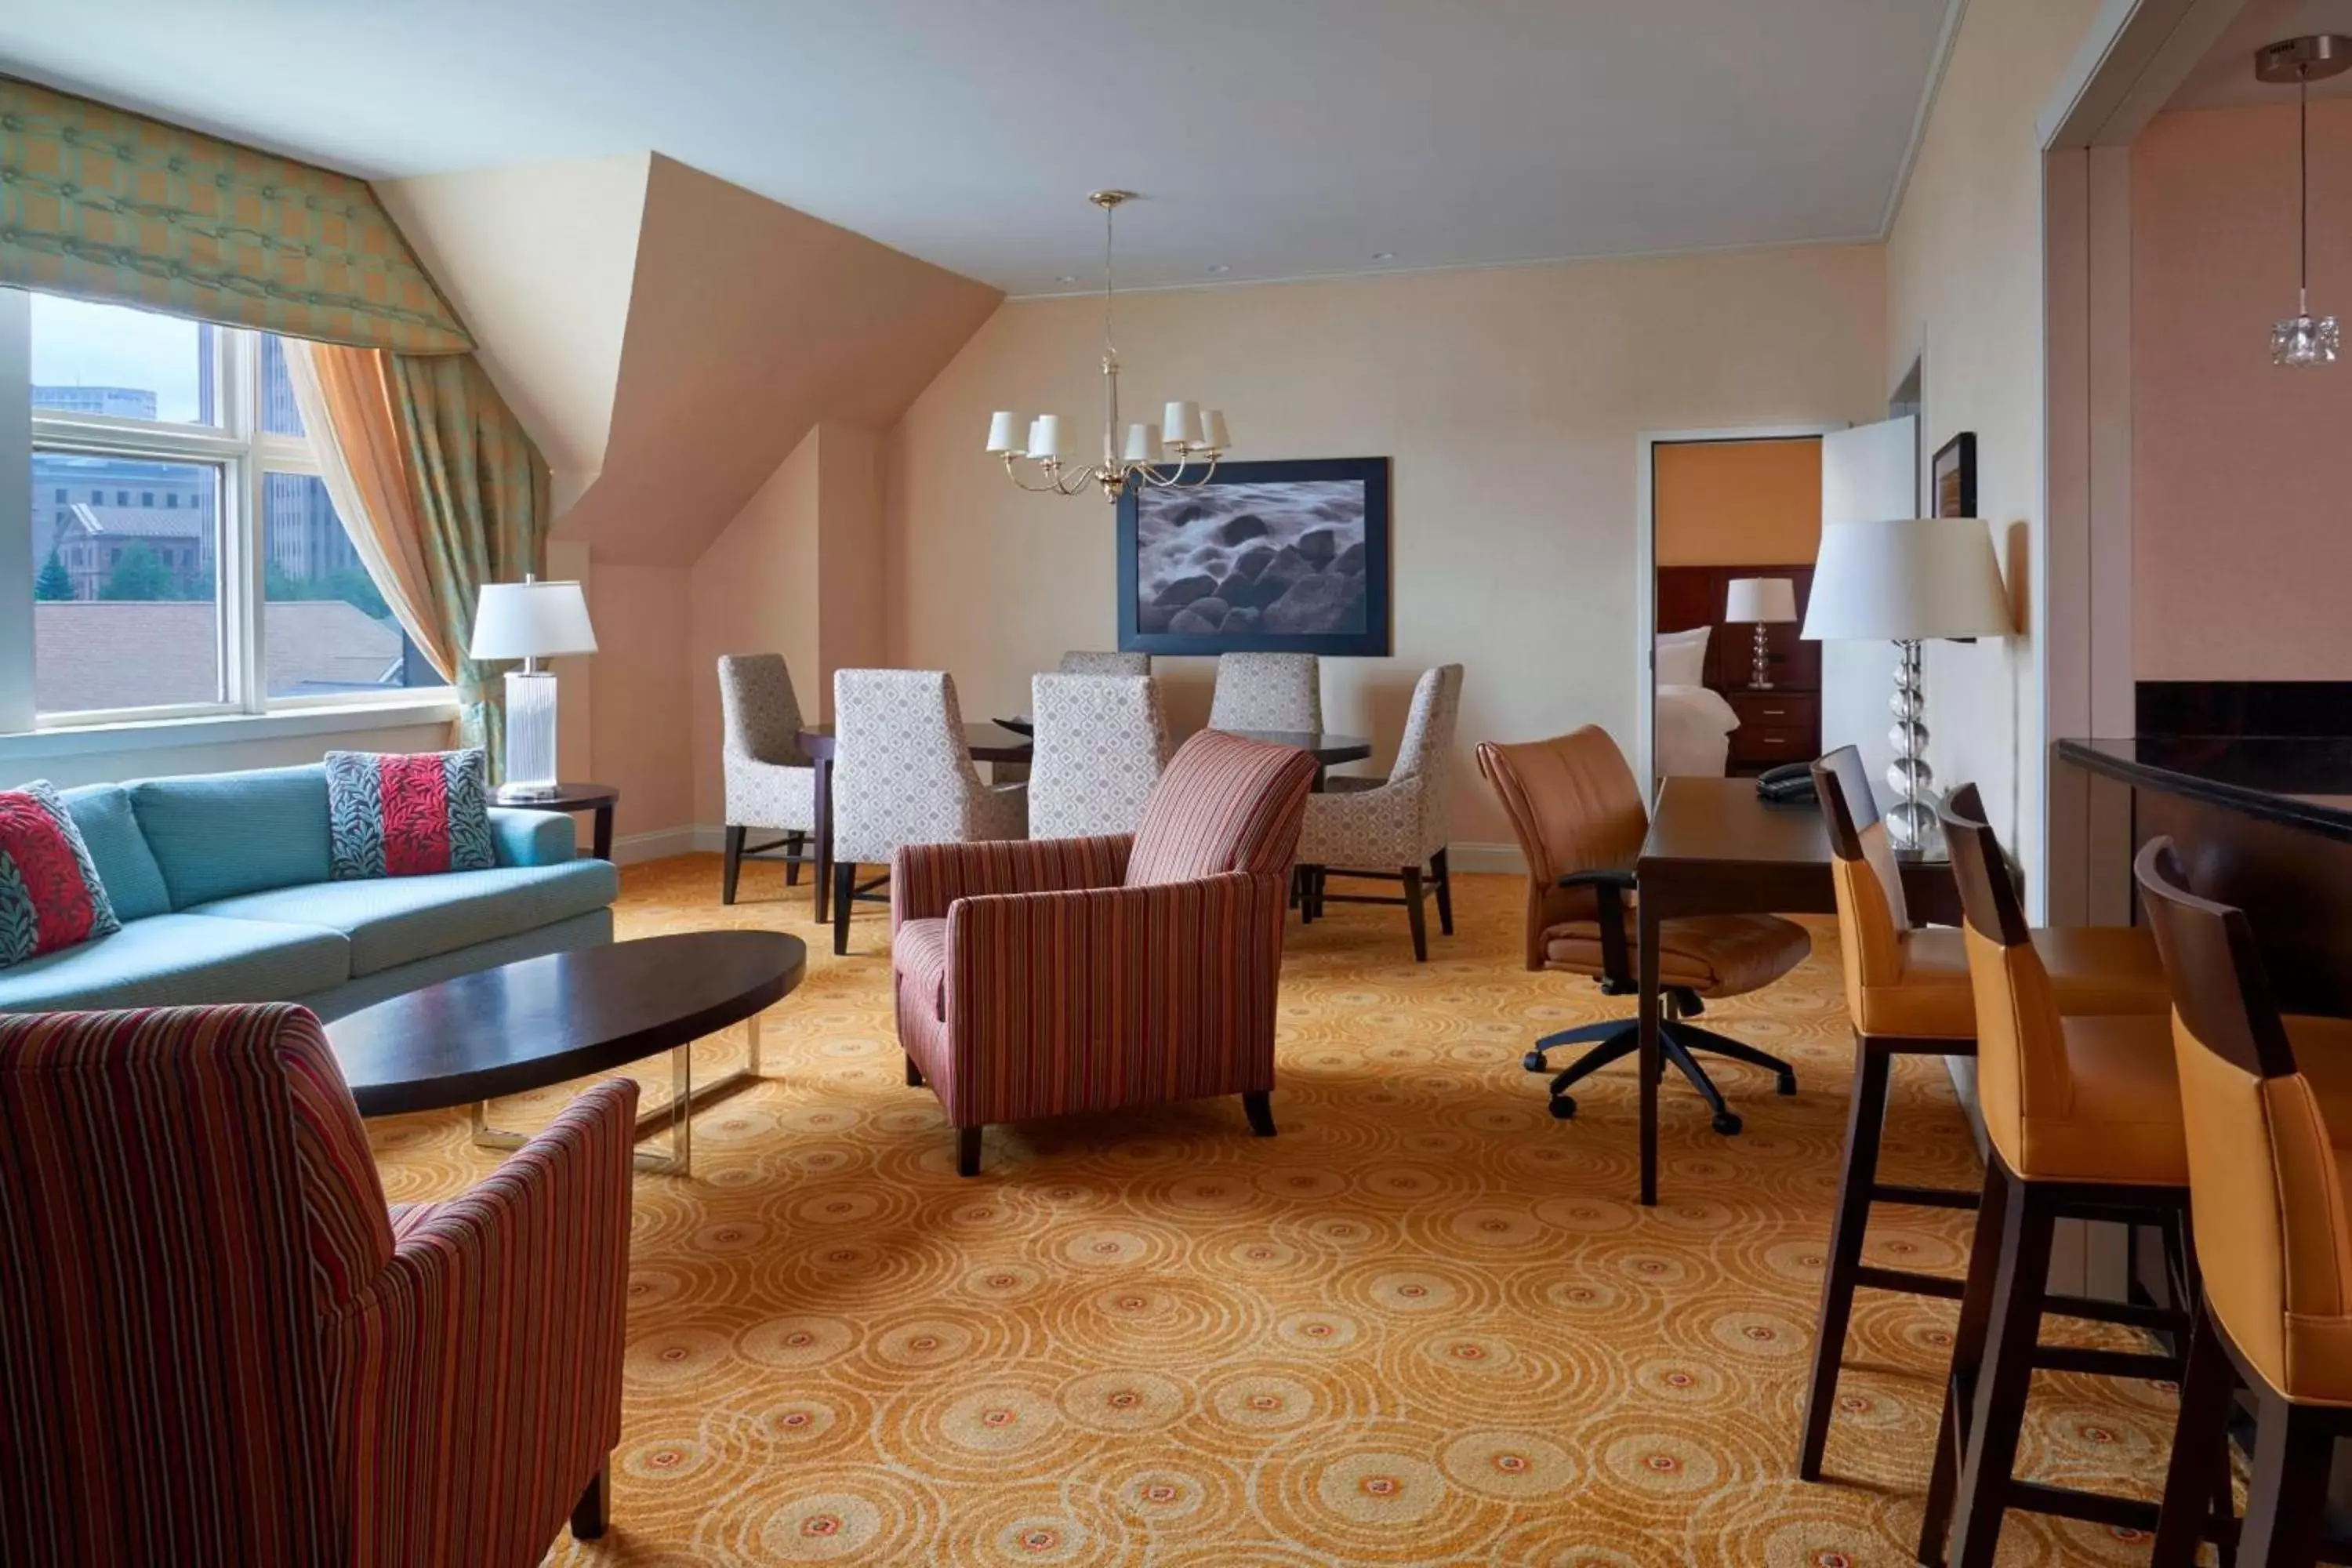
{"points": [[220, 881]]}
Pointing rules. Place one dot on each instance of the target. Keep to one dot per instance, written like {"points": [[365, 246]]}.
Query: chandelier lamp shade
{"points": [[2305, 340], [1180, 452], [531, 620], [1906, 582]]}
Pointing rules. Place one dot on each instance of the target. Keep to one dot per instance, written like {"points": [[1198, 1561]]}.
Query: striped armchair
{"points": [[1046, 977], [217, 1347]]}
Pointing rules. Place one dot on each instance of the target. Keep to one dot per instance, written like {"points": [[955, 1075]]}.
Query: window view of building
{"points": [[132, 528]]}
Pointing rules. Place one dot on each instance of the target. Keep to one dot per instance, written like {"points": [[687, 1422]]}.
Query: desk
{"points": [[1715, 849]]}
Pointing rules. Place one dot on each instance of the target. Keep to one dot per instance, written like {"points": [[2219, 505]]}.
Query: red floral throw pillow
{"points": [[50, 896], [392, 816]]}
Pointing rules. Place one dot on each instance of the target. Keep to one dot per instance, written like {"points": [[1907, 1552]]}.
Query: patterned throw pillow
{"points": [[390, 815], [50, 896]]}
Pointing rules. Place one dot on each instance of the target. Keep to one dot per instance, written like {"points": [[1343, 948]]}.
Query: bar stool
{"points": [[2084, 1114], [1908, 993], [2268, 1117]]}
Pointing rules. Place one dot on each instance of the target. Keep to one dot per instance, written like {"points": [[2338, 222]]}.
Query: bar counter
{"points": [[2261, 823]]}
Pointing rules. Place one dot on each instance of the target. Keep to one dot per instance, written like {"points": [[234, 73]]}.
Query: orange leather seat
{"points": [[2093, 970], [1715, 955]]}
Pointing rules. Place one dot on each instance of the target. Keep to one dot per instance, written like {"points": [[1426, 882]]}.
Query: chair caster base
{"points": [[1533, 1061], [1563, 1107], [1787, 1084], [1729, 1124]]}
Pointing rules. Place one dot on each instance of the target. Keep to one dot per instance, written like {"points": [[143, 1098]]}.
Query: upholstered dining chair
{"points": [[1101, 740], [770, 783], [217, 1345], [1580, 822], [1081, 661], [902, 774], [1267, 691], [1062, 975], [1394, 831]]}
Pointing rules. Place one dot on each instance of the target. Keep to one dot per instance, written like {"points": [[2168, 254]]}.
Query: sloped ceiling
{"points": [[748, 322], [538, 262], [668, 339]]}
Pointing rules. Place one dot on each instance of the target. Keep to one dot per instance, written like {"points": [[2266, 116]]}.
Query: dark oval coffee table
{"points": [[543, 1021]]}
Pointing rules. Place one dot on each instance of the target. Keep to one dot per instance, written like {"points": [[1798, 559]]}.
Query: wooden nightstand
{"points": [[1777, 725]]}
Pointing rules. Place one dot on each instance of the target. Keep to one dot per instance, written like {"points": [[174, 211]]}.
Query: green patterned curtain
{"points": [[482, 500], [104, 204]]}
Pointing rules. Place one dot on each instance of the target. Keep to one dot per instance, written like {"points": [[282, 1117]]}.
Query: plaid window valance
{"points": [[102, 204]]}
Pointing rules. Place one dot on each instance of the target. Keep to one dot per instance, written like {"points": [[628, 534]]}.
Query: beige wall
{"points": [[2240, 552], [1511, 401], [1964, 282], [641, 700], [1739, 503]]}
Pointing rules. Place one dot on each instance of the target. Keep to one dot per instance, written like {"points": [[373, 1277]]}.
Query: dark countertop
{"points": [[2297, 782]]}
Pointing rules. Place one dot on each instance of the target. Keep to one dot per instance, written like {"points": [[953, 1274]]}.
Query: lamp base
{"points": [[1911, 821], [530, 736]]}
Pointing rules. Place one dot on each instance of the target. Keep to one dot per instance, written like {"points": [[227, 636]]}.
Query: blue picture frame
{"points": [[1351, 597]]}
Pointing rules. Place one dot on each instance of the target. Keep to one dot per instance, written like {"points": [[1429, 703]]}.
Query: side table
{"points": [[574, 798]]}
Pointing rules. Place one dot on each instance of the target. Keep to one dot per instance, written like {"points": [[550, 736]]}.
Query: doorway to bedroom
{"points": [[1733, 525]]}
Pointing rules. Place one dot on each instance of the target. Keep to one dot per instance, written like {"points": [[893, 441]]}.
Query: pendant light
{"points": [[2303, 339]]}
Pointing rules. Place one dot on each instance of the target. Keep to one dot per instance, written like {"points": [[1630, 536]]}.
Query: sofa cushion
{"points": [[398, 920], [51, 896], [177, 960], [218, 835], [134, 883], [389, 815]]}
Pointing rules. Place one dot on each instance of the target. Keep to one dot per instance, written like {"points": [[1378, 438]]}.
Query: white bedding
{"points": [[1694, 730]]}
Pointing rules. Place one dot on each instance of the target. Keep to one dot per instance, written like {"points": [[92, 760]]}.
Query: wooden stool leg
{"points": [[1865, 1116], [2292, 1452], [2200, 1449], [1968, 1363], [2011, 1335]]}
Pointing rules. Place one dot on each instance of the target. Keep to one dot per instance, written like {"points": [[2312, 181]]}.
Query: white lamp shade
{"points": [[531, 620], [1760, 599], [1004, 432], [1142, 444], [1906, 579], [1214, 422], [1181, 422], [1045, 435]]}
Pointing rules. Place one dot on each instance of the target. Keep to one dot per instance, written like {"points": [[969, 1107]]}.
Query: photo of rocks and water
{"points": [[1285, 557]]}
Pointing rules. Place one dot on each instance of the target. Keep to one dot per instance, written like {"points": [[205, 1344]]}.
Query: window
{"points": [[231, 584]]}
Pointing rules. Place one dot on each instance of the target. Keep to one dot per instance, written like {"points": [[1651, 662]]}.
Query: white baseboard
{"points": [[1503, 858], [662, 843], [631, 849]]}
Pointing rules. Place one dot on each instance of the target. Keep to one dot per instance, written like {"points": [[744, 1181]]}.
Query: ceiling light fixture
{"points": [[1190, 434], [1221, 268], [1384, 256], [2302, 338]]}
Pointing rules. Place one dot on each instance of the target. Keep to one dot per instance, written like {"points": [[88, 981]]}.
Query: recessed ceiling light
{"points": [[1384, 256], [1220, 267]]}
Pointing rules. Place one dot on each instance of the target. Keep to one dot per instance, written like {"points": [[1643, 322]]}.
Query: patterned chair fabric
{"points": [[1267, 691], [770, 782], [1054, 976], [1078, 661], [1401, 822], [216, 1346], [902, 774], [1101, 743]]}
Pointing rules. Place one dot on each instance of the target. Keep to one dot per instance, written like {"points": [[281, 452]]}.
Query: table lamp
{"points": [[1906, 581], [531, 620], [1766, 601]]}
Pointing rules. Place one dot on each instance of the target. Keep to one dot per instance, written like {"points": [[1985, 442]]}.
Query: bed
{"points": [[1694, 730]]}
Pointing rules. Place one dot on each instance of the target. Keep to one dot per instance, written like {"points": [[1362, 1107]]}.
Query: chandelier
{"points": [[1193, 437], [2302, 338]]}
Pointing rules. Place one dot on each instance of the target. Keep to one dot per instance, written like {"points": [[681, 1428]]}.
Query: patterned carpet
{"points": [[1427, 1324]]}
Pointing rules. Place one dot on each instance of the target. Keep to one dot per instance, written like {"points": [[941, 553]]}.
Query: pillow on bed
{"points": [[1681, 657]]}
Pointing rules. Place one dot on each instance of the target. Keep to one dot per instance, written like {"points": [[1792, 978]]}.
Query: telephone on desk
{"points": [[1788, 784]]}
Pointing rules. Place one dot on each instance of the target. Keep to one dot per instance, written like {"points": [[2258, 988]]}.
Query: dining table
{"points": [[1012, 741]]}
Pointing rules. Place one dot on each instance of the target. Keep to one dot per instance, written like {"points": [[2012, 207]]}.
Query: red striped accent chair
{"points": [[1046, 977], [217, 1347]]}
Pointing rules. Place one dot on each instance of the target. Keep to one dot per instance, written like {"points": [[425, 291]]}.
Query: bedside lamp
{"points": [[531, 620], [1904, 582], [1766, 601]]}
